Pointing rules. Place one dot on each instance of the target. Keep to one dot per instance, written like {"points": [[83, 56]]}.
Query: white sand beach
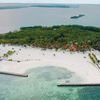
{"points": [[29, 58]]}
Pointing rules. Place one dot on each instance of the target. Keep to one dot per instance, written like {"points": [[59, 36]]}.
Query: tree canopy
{"points": [[62, 36]]}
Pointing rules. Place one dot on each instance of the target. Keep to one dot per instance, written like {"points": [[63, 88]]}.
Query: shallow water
{"points": [[42, 85]]}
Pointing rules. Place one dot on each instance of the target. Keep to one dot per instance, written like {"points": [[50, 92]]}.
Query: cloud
{"points": [[52, 1]]}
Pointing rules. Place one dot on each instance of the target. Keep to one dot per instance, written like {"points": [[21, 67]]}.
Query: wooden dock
{"points": [[14, 74], [78, 85]]}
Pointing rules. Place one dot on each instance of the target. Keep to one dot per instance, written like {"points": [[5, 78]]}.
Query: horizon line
{"points": [[43, 3]]}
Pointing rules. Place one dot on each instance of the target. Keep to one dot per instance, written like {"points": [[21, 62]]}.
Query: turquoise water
{"points": [[89, 93], [42, 85]]}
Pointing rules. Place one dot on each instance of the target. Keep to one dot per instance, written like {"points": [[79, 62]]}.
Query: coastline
{"points": [[30, 58]]}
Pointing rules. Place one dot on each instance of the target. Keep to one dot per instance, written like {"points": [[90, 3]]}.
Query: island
{"points": [[72, 37], [69, 47], [78, 16]]}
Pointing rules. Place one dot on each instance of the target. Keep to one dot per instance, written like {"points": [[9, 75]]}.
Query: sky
{"points": [[52, 1]]}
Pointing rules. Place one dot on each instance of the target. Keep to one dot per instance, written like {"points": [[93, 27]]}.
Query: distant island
{"points": [[12, 7], [17, 6], [72, 37], [78, 16], [55, 5]]}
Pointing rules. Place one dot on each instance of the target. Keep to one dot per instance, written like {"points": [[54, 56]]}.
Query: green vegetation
{"points": [[73, 37], [78, 16], [8, 53], [10, 60], [94, 59]]}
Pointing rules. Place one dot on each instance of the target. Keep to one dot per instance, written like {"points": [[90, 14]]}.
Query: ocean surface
{"points": [[42, 85], [14, 17]]}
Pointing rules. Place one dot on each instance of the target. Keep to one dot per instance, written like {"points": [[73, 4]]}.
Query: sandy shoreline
{"points": [[78, 63]]}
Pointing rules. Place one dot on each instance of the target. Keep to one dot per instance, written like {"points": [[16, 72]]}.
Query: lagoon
{"points": [[42, 85]]}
